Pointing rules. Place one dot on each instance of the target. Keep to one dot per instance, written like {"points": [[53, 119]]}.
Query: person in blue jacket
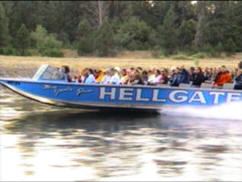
{"points": [[238, 78]]}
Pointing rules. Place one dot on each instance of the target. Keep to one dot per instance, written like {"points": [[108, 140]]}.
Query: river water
{"points": [[40, 142]]}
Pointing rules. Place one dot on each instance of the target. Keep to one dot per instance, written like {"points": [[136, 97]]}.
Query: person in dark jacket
{"points": [[175, 77], [184, 76], [238, 78], [66, 70], [197, 78]]}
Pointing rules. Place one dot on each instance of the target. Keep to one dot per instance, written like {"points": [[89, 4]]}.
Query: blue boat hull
{"points": [[118, 97]]}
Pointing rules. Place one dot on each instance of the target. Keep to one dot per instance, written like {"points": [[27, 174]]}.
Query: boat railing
{"points": [[185, 85], [228, 86], [206, 85]]}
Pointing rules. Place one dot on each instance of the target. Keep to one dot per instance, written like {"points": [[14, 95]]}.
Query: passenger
{"points": [[164, 78], [197, 78], [107, 77], [175, 77], [158, 77], [123, 76], [238, 78], [222, 77], [151, 76], [130, 79], [215, 73], [234, 73], [100, 75], [191, 70], [136, 79], [79, 77], [66, 70], [115, 78], [125, 79], [132, 70], [208, 75], [89, 77], [145, 77], [185, 76], [139, 69]]}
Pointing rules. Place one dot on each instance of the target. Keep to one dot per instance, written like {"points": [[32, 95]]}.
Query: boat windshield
{"points": [[47, 72]]}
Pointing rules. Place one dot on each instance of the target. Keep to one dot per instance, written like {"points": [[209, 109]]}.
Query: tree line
{"points": [[103, 28]]}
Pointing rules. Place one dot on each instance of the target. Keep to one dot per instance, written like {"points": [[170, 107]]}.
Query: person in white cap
{"points": [[115, 78], [117, 69]]}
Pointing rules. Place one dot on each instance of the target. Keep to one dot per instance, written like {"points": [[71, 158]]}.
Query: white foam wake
{"points": [[231, 111]]}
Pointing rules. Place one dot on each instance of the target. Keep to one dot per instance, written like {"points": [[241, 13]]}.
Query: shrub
{"points": [[54, 52], [230, 47], [209, 50], [9, 51], [199, 55], [85, 45], [181, 57], [32, 52], [218, 50]]}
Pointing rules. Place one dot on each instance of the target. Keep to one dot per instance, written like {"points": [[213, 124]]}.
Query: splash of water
{"points": [[232, 111]]}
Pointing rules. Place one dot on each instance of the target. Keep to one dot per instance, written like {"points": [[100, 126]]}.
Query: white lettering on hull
{"points": [[233, 97], [174, 96], [104, 93], [216, 96], [139, 94], [126, 94], [180, 98], [197, 97], [155, 96]]}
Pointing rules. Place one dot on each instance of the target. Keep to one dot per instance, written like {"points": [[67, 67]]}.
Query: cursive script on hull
{"points": [[153, 95]]}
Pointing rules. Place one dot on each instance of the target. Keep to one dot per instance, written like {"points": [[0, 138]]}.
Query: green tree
{"points": [[168, 33], [85, 38], [218, 49], [187, 32], [230, 47], [22, 39], [46, 44], [3, 28], [104, 40], [83, 29], [134, 34], [202, 17], [135, 25]]}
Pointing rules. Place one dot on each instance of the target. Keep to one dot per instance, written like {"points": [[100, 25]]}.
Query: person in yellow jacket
{"points": [[100, 75]]}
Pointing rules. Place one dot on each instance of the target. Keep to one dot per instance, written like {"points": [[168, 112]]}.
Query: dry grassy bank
{"points": [[26, 66]]}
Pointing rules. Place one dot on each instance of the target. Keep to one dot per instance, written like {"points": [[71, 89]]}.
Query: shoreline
{"points": [[16, 66]]}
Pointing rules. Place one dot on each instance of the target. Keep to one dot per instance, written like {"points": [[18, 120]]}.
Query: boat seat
{"points": [[228, 86], [163, 85], [206, 85], [184, 85]]}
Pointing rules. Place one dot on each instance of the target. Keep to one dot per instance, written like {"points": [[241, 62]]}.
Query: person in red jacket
{"points": [[222, 77]]}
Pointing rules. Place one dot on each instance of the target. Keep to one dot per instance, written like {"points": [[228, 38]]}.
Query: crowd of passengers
{"points": [[174, 76]]}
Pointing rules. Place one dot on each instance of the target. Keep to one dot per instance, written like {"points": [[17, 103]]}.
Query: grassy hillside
{"points": [[26, 66]]}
